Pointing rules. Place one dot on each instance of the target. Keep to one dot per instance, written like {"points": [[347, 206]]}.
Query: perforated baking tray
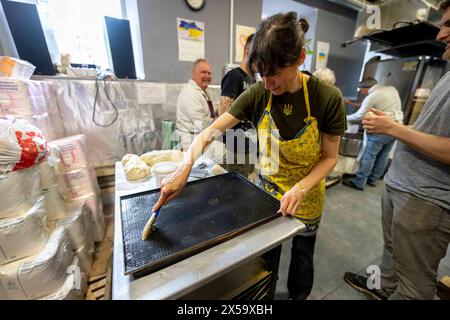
{"points": [[206, 213]]}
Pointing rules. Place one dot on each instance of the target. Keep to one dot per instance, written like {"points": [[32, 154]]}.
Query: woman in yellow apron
{"points": [[299, 120]]}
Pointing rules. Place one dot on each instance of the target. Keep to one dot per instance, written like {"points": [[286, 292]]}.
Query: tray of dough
{"points": [[207, 212]]}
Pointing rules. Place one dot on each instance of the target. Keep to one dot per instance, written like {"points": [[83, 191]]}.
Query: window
{"points": [[78, 27]]}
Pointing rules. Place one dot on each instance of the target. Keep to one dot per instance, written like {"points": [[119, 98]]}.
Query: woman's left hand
{"points": [[291, 201]]}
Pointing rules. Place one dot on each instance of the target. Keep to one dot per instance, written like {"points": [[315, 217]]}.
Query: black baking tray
{"points": [[206, 213]]}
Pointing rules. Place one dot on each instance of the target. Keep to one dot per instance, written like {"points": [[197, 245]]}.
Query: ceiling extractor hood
{"points": [[407, 28]]}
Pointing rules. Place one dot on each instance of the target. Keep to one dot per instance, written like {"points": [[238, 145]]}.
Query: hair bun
{"points": [[304, 24]]}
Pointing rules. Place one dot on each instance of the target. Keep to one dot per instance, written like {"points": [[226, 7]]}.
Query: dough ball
{"points": [[136, 169], [153, 157], [126, 158]]}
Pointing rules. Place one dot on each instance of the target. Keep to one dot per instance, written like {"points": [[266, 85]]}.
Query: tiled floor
{"points": [[349, 239]]}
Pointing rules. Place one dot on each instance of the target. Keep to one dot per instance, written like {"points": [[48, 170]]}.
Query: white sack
{"points": [[25, 235], [93, 203], [39, 275], [85, 254], [54, 203], [13, 201], [78, 227], [74, 287], [98, 228]]}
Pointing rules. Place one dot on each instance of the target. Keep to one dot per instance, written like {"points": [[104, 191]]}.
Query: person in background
{"points": [[326, 75], [416, 199], [378, 146], [302, 116], [363, 91], [195, 111], [235, 82]]}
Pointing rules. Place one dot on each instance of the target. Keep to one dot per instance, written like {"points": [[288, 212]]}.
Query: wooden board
{"points": [[443, 288], [96, 290], [104, 250], [108, 284], [99, 279], [107, 170]]}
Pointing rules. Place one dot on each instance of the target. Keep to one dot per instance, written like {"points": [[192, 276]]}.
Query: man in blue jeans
{"points": [[375, 157]]}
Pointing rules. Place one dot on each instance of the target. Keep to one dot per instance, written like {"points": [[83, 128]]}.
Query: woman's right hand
{"points": [[172, 185]]}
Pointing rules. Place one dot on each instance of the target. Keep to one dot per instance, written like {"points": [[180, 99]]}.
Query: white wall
{"points": [[159, 35], [7, 46]]}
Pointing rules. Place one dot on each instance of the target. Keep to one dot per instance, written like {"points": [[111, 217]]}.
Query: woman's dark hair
{"points": [[278, 42], [444, 6], [248, 43]]}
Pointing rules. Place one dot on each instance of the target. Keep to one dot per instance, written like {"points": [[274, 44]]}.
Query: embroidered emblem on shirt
{"points": [[287, 109]]}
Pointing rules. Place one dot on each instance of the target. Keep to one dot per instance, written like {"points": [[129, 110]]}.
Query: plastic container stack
{"points": [[78, 225], [75, 219], [79, 178]]}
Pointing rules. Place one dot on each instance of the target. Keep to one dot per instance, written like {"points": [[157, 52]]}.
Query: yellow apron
{"points": [[285, 163]]}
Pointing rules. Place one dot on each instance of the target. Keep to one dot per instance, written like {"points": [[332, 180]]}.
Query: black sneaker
{"points": [[372, 184], [360, 283], [351, 184]]}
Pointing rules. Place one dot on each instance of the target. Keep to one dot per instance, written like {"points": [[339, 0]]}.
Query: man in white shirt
{"points": [[375, 157], [195, 111]]}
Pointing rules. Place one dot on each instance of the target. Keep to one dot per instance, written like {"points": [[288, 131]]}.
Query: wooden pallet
{"points": [[105, 170], [99, 279], [100, 289], [443, 288], [96, 290]]}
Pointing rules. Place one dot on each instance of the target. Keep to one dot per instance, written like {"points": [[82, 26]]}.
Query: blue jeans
{"points": [[374, 159]]}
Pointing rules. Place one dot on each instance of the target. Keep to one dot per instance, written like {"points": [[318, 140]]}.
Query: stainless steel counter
{"points": [[184, 277]]}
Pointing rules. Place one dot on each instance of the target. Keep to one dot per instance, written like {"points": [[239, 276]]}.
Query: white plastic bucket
{"points": [[162, 170]]}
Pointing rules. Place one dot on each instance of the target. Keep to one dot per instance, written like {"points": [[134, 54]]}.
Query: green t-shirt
{"points": [[327, 106]]}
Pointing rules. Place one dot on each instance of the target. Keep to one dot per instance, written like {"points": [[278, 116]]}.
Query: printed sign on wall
{"points": [[191, 39], [242, 33], [323, 49]]}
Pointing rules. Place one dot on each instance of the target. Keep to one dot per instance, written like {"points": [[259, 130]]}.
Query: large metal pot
{"points": [[351, 144]]}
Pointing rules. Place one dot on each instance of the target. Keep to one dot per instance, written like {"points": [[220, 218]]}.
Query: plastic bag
{"points": [[40, 275], [15, 68], [24, 235], [19, 191], [22, 145]]}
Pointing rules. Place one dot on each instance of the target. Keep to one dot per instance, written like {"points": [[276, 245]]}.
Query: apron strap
{"points": [[305, 91], [269, 104]]}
